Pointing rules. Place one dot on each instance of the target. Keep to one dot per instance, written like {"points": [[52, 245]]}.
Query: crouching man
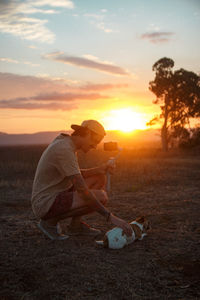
{"points": [[61, 190]]}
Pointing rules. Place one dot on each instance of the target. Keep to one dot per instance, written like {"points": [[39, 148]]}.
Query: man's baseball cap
{"points": [[92, 125]]}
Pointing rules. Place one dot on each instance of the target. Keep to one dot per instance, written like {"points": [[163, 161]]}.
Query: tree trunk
{"points": [[164, 132], [164, 138]]}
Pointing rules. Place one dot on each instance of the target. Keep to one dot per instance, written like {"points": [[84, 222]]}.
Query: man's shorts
{"points": [[61, 205]]}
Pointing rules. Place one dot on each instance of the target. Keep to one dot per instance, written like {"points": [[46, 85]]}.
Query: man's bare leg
{"points": [[79, 208], [97, 184]]}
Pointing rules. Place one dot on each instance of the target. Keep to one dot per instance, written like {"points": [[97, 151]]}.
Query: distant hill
{"points": [[134, 139], [29, 138]]}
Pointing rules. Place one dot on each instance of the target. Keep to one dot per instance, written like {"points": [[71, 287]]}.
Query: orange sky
{"points": [[116, 105], [98, 67]]}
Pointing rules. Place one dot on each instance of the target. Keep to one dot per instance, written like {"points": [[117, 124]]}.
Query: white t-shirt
{"points": [[57, 163]]}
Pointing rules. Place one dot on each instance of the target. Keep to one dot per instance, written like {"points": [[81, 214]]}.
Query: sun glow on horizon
{"points": [[125, 120]]}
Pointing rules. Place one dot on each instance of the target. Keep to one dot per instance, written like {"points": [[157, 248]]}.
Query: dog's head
{"points": [[140, 226], [143, 221]]}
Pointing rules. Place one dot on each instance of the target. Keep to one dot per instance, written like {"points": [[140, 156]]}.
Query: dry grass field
{"points": [[165, 265]]}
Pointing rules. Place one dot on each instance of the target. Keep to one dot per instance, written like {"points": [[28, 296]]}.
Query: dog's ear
{"points": [[141, 219]]}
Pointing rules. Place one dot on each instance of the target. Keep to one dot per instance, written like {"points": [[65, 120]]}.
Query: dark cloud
{"points": [[67, 97], [14, 104], [157, 37], [27, 79], [87, 63], [99, 87], [15, 85], [30, 92], [48, 101]]}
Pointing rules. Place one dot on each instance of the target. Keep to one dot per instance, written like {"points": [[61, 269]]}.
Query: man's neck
{"points": [[77, 141]]}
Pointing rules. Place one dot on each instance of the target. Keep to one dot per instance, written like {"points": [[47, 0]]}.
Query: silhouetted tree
{"points": [[191, 141], [179, 95]]}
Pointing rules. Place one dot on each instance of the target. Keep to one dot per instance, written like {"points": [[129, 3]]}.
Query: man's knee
{"points": [[101, 179], [96, 182], [101, 196]]}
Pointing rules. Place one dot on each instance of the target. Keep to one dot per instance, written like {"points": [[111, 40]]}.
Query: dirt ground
{"points": [[164, 265]]}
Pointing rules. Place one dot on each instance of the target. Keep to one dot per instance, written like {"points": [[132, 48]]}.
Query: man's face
{"points": [[90, 141]]}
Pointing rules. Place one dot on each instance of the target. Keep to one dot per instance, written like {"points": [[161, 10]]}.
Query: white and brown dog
{"points": [[116, 239]]}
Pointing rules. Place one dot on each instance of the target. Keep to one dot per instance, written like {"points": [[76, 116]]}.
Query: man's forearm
{"points": [[90, 198], [92, 171]]}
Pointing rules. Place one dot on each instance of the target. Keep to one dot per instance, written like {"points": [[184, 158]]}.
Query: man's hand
{"points": [[127, 229], [103, 169], [108, 167]]}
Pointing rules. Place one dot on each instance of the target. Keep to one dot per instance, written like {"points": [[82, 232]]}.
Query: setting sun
{"points": [[125, 120]]}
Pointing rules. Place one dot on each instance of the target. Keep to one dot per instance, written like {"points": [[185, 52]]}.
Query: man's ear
{"points": [[88, 132]]}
